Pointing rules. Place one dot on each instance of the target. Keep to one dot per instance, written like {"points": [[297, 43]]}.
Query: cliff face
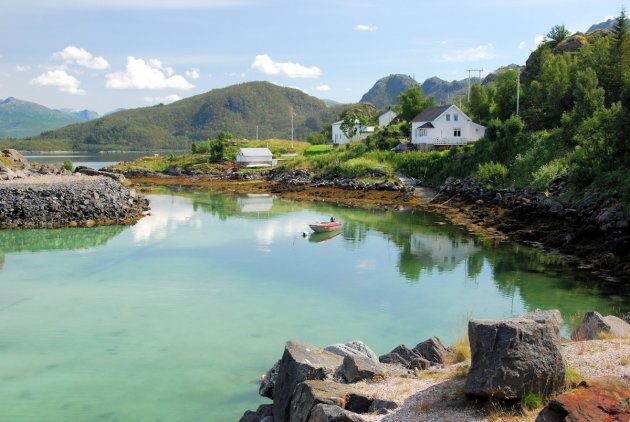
{"points": [[386, 90]]}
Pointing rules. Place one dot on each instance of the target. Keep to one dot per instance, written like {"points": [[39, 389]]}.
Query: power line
{"points": [[478, 78]]}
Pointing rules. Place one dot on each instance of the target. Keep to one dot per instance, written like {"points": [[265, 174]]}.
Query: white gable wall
{"points": [[452, 127], [386, 118]]}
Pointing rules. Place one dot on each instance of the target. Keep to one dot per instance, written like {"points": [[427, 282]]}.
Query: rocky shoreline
{"points": [[510, 359], [50, 197], [592, 234]]}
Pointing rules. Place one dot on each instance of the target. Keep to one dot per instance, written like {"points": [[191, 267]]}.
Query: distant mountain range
{"points": [[605, 25], [386, 90], [20, 119], [243, 110]]}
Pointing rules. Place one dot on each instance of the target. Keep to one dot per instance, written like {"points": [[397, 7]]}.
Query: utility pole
{"points": [[518, 89], [478, 78], [291, 127], [256, 132]]}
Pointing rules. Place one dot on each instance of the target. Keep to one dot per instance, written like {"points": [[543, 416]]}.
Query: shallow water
{"points": [[176, 317]]}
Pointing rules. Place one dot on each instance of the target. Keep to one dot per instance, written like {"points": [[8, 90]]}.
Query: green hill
{"points": [[386, 90], [20, 119], [444, 91], [238, 109]]}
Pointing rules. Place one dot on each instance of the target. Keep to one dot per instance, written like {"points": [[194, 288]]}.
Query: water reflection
{"points": [[165, 220], [255, 202]]}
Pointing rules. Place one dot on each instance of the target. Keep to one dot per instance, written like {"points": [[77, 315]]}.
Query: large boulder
{"points": [[355, 369], [595, 326], [19, 161], [601, 399], [353, 348], [300, 362], [264, 413], [332, 413], [312, 392], [516, 356], [432, 350]]}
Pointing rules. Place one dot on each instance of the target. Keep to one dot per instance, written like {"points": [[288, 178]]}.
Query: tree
{"points": [[224, 136], [413, 102], [557, 34], [217, 148], [352, 123], [479, 104], [588, 96], [619, 54], [505, 97]]}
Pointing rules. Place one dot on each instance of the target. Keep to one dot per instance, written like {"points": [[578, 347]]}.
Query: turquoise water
{"points": [[176, 317], [88, 159]]}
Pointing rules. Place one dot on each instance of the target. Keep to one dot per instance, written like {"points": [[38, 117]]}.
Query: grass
{"points": [[572, 378], [317, 149], [461, 350], [532, 401]]}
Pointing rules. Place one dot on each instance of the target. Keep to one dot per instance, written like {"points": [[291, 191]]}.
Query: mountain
{"points": [[20, 119], [605, 25], [238, 109], [386, 90], [80, 114], [442, 90]]}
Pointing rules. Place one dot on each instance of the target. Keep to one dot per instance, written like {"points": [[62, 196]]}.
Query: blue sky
{"points": [[106, 54]]}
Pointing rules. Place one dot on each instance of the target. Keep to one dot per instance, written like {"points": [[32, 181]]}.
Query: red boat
{"points": [[326, 226]]}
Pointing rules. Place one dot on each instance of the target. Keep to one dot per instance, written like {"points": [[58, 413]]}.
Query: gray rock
{"points": [[353, 348], [381, 407], [595, 326], [355, 369], [312, 392], [358, 403], [300, 362], [269, 381], [262, 414], [627, 317], [404, 356], [332, 413], [6, 173], [516, 356], [432, 350]]}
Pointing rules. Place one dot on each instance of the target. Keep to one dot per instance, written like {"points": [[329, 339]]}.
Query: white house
{"points": [[340, 138], [444, 126], [386, 118], [254, 157]]}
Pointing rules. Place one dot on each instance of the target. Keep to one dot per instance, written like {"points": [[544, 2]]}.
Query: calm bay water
{"points": [[88, 159], [176, 317]]}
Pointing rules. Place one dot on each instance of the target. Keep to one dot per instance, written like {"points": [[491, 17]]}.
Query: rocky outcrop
{"points": [[595, 326], [310, 393], [592, 233], [516, 356], [432, 350], [406, 357], [603, 399], [300, 362], [332, 413], [67, 201]]}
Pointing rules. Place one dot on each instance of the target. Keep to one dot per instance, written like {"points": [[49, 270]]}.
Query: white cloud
{"points": [[539, 39], [19, 68], [60, 79], [146, 75], [164, 100], [363, 27], [82, 57], [522, 45], [481, 52], [264, 63], [322, 88], [193, 73]]}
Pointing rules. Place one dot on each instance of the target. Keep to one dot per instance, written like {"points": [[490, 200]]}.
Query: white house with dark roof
{"points": [[340, 138], [254, 157], [386, 118], [444, 126]]}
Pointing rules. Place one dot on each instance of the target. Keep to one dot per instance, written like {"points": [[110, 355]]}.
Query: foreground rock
{"points": [[595, 326], [603, 399], [67, 201], [516, 356]]}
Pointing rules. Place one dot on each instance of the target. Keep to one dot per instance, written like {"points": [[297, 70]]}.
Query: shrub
{"points": [[68, 165], [532, 401], [492, 172], [542, 178]]}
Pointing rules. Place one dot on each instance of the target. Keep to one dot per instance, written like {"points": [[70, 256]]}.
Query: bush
{"points": [[492, 172], [542, 178], [68, 165]]}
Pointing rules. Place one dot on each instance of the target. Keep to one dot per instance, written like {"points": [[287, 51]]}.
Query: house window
{"points": [[455, 116], [448, 117], [457, 132], [422, 132]]}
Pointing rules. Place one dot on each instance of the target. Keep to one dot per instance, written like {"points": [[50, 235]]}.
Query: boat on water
{"points": [[324, 236], [326, 226]]}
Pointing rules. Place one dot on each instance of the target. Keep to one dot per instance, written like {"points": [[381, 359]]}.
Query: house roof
{"points": [[431, 113], [254, 152], [427, 125], [387, 112]]}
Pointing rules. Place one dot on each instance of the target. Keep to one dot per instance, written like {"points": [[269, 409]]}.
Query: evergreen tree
{"points": [[619, 54], [479, 106], [413, 102]]}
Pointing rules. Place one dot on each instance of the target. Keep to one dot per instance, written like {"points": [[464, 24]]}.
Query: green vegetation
{"points": [[68, 165], [532, 401], [19, 119], [317, 149]]}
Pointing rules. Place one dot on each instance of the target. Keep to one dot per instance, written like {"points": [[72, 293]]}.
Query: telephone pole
{"points": [[518, 89], [478, 78]]}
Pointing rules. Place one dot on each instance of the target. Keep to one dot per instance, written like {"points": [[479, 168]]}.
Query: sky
{"points": [[104, 55]]}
